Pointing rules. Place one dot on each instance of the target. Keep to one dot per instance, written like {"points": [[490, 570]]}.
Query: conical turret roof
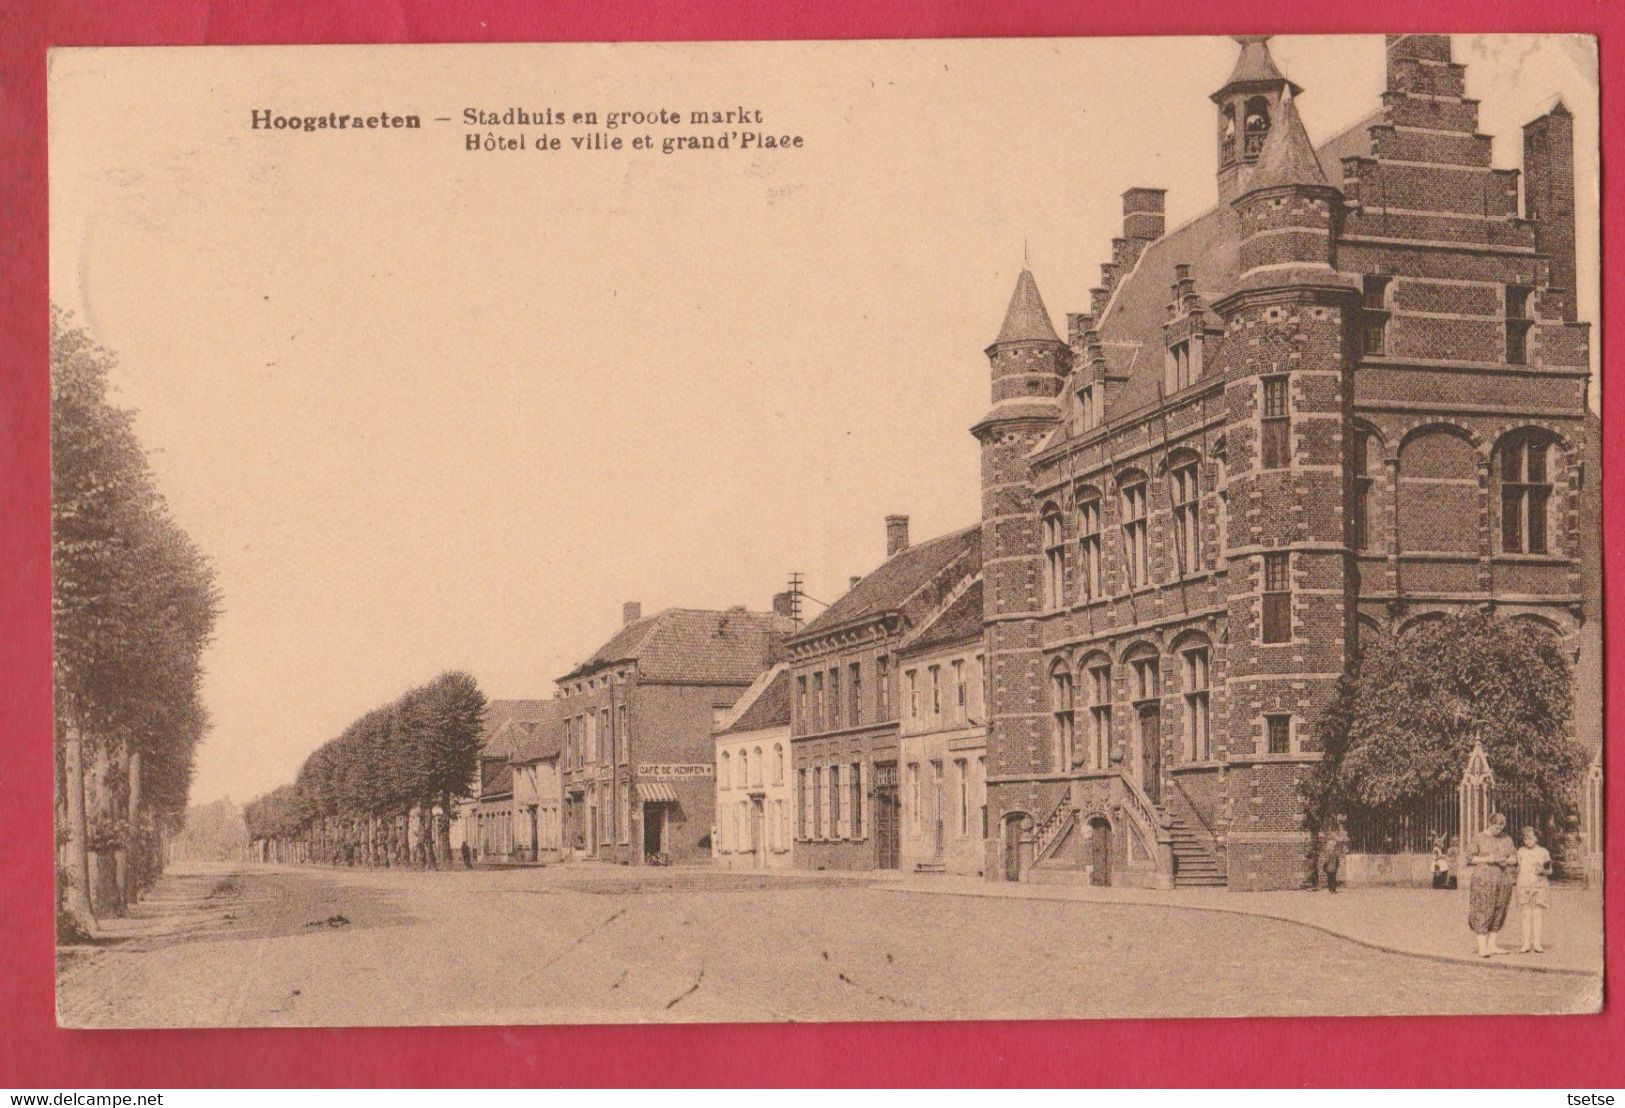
{"points": [[1026, 320], [1288, 157], [1254, 67]]}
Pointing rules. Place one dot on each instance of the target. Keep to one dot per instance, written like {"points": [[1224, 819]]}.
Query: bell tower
{"points": [[1249, 106]]}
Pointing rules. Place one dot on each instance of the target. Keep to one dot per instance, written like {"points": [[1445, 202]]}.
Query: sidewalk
{"points": [[1427, 923]]}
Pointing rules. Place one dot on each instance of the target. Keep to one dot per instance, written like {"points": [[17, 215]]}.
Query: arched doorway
{"points": [[1100, 851], [1013, 835]]}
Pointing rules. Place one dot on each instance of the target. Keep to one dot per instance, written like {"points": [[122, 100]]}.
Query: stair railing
{"points": [[1190, 803], [1147, 823], [1053, 826]]}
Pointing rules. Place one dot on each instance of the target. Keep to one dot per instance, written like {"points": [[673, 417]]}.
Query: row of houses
{"points": [[1350, 396]]}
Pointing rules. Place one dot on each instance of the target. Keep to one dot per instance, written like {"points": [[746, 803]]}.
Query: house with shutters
{"points": [[636, 763], [755, 796], [846, 697], [1349, 396]]}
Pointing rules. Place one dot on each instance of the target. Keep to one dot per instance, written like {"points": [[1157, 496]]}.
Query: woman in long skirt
{"points": [[1492, 859]]}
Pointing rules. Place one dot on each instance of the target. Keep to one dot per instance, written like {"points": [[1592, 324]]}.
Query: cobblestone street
{"points": [[262, 946]]}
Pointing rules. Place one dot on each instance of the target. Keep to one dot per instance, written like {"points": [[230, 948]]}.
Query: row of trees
{"points": [[133, 607], [381, 792]]}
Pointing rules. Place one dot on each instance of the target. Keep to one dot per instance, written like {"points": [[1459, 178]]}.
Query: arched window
{"points": [[1198, 716], [1256, 124], [1098, 680], [757, 755], [1526, 468], [1227, 134], [1088, 544], [1184, 492], [1061, 707], [1136, 550], [778, 763], [744, 769], [724, 764], [1054, 558]]}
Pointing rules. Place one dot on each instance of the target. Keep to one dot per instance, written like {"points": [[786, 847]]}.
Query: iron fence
{"points": [[1414, 827]]}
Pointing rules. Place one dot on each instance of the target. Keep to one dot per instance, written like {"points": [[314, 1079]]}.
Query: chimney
{"points": [[1143, 217], [1548, 202], [896, 535], [631, 612], [852, 582], [783, 605]]}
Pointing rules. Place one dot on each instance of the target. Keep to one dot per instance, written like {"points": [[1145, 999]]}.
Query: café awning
{"points": [[656, 792]]}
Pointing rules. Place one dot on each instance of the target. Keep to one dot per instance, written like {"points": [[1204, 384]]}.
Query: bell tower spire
{"points": [[1249, 105]]}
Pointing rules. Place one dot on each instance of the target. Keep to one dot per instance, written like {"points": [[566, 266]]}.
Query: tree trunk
{"points": [[443, 829], [77, 900], [130, 864]]}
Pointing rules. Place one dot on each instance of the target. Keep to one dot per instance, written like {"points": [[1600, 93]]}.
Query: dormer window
{"points": [[1184, 364], [1088, 407]]}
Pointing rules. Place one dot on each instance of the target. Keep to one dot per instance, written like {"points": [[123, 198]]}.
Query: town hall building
{"points": [[1350, 396]]}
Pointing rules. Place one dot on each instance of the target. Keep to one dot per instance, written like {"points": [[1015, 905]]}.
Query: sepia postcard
{"points": [[808, 531]]}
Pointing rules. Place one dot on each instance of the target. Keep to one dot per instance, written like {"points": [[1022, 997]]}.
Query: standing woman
{"points": [[1493, 859]]}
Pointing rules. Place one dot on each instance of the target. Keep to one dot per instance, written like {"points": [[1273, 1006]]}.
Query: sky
{"points": [[426, 408]]}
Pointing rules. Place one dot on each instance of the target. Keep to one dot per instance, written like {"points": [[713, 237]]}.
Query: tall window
{"points": [[1100, 715], [987, 686], [961, 693], [818, 802], [1185, 493], [914, 793], [621, 735], [607, 735], [1278, 732], [744, 768], [1360, 486], [1089, 546], [936, 692], [981, 778], [1054, 559], [1276, 452], [911, 686], [804, 801], [1526, 496], [962, 775], [854, 693], [834, 697], [1277, 597], [883, 688], [1145, 676], [854, 781], [756, 763], [724, 771], [778, 763], [1089, 406], [1198, 730], [1184, 365], [1061, 707], [835, 828], [802, 723], [1517, 324], [1374, 315], [591, 741], [818, 700], [1136, 551]]}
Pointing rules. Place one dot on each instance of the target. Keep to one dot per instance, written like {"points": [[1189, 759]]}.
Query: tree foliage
{"points": [[133, 607], [1404, 722]]}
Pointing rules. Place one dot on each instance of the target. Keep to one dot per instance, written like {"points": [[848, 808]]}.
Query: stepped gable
{"points": [[764, 704], [899, 577], [1131, 330], [693, 646]]}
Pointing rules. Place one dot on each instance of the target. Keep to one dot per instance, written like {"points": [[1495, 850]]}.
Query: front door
{"points": [[1151, 752], [936, 808], [1012, 846], [758, 838], [654, 829], [1100, 852], [887, 816]]}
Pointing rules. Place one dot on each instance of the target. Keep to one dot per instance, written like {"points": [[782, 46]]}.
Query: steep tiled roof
{"points": [[959, 621], [764, 704], [694, 646], [500, 712], [1026, 319], [898, 578], [1254, 64], [1139, 306], [543, 738]]}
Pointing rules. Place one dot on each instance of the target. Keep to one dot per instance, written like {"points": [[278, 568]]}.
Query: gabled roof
{"points": [[542, 738], [694, 646], [898, 578], [1208, 244], [765, 704], [1026, 319], [959, 622], [1288, 157], [501, 712]]}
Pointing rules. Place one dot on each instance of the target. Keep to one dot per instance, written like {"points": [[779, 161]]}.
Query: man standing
{"points": [[1334, 843]]}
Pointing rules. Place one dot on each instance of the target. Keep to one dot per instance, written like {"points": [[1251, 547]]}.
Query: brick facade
{"points": [[1351, 396]]}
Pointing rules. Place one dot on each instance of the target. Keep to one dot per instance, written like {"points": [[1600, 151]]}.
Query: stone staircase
{"points": [[1195, 862]]}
